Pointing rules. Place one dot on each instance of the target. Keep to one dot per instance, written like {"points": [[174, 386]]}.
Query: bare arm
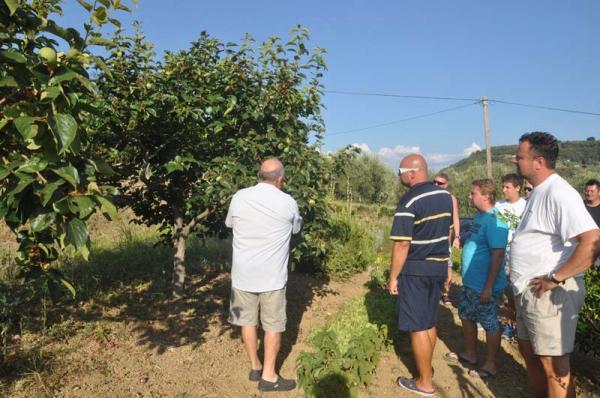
{"points": [[456, 222], [583, 257], [399, 254], [494, 270]]}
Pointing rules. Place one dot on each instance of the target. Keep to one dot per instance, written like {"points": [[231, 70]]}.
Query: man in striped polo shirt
{"points": [[419, 264]]}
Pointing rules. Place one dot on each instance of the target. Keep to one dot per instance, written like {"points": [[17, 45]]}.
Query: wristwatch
{"points": [[552, 277]]}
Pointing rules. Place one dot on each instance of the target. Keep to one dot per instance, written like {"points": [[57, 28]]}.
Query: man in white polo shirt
{"points": [[556, 241], [263, 219]]}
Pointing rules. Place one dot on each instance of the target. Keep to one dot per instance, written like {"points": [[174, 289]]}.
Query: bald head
{"points": [[417, 170], [271, 170]]}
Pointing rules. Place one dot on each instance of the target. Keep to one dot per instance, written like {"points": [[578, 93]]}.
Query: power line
{"points": [[398, 96], [545, 107], [404, 120]]}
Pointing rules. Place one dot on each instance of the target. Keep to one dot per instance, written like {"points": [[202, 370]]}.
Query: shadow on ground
{"points": [[511, 380]]}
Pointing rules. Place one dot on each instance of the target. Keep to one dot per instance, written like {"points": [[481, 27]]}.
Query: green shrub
{"points": [[345, 353], [352, 247], [588, 327]]}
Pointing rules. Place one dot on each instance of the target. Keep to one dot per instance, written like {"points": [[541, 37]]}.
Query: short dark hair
{"points": [[544, 145], [514, 179], [487, 187], [443, 175], [591, 182]]}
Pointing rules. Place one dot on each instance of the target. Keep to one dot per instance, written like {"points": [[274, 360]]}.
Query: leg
{"points": [[422, 347], [250, 339], [272, 343], [470, 337], [535, 371], [492, 344], [558, 376]]}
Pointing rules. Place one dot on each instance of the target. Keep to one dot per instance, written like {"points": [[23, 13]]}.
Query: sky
{"points": [[531, 52]]}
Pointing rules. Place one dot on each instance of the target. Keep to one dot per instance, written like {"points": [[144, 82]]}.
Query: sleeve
{"points": [[230, 213], [402, 227], [296, 218], [572, 218], [496, 233]]}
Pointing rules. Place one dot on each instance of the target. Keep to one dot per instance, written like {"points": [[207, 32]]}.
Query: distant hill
{"points": [[578, 161]]}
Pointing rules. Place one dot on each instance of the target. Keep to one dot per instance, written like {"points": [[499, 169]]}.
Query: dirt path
{"points": [[138, 345]]}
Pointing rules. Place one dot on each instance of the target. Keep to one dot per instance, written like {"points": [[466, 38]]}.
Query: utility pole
{"points": [[488, 146]]}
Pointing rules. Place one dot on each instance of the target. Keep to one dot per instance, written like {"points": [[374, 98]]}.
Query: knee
{"points": [[556, 366]]}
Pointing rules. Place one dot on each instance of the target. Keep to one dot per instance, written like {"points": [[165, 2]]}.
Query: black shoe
{"points": [[255, 374], [280, 385]]}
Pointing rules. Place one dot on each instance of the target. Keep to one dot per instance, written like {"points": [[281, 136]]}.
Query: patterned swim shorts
{"points": [[485, 314]]}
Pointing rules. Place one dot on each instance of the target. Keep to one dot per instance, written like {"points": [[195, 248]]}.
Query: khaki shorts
{"points": [[244, 309], [550, 322]]}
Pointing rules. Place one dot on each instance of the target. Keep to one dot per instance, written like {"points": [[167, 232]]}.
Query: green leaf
{"points": [[50, 93], [77, 233], [26, 127], [64, 206], [173, 166], [99, 16], [8, 81], [4, 172], [69, 173], [49, 190], [65, 127], [85, 205], [42, 221], [63, 76], [3, 123], [86, 5], [102, 65], [106, 207], [24, 181], [102, 167], [12, 55], [33, 165], [58, 276], [12, 6]]}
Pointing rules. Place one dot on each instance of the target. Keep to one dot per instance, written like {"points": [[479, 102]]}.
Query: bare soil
{"points": [[138, 344]]}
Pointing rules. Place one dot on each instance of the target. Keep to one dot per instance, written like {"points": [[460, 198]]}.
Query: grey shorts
{"points": [[550, 322], [244, 309]]}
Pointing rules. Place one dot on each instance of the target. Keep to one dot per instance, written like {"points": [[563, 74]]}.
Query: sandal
{"points": [[481, 373], [411, 385], [454, 357]]}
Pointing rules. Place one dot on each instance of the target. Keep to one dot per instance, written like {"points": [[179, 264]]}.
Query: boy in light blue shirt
{"points": [[483, 279]]}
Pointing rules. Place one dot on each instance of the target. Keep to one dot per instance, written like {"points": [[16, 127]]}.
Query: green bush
{"points": [[588, 327], [345, 353], [352, 246]]}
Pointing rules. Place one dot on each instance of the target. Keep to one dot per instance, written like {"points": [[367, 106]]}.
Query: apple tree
{"points": [[186, 133], [48, 176]]}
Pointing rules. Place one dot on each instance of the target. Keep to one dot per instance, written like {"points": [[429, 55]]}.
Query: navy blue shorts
{"points": [[418, 301]]}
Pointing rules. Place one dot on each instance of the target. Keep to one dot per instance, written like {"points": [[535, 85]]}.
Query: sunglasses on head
{"points": [[402, 170]]}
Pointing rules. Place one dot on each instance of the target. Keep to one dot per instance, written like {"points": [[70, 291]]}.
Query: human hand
{"points": [[541, 284], [486, 296], [456, 242], [393, 286]]}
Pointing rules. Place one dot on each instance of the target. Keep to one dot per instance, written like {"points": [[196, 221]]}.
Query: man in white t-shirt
{"points": [[510, 210], [263, 219], [555, 242]]}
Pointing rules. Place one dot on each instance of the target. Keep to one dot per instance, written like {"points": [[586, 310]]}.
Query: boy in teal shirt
{"points": [[483, 279]]}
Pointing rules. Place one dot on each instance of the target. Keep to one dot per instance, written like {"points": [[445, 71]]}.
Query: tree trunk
{"points": [[179, 258]]}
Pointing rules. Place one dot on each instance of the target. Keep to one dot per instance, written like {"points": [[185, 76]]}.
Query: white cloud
{"points": [[471, 150], [436, 161]]}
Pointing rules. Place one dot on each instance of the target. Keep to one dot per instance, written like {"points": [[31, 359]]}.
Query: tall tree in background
{"points": [[186, 133], [47, 174]]}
